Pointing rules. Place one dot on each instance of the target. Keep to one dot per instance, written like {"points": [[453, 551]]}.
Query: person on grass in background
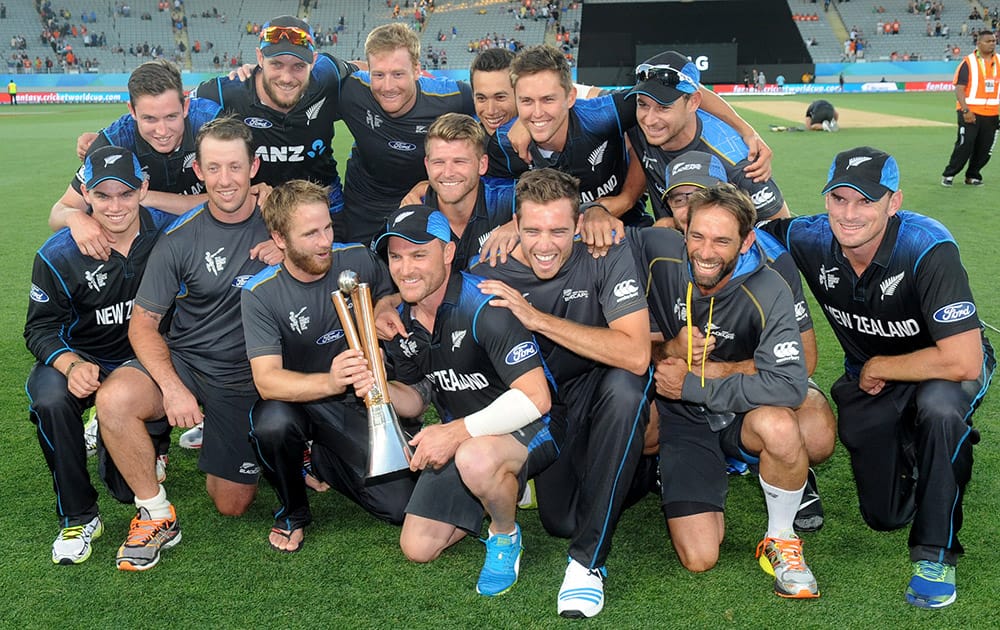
{"points": [[892, 286]]}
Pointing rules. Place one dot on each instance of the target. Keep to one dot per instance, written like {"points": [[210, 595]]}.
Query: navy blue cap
{"points": [[112, 163], [417, 224], [871, 172], [284, 46], [695, 168], [666, 77]]}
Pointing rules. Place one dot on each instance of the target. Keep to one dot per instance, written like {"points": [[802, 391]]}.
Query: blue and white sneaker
{"points": [[503, 561], [582, 592], [932, 585]]}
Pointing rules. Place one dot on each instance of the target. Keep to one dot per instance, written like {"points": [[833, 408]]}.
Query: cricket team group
{"points": [[580, 350]]}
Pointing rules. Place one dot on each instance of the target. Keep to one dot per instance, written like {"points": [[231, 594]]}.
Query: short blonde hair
{"points": [[285, 199], [455, 127], [390, 37]]}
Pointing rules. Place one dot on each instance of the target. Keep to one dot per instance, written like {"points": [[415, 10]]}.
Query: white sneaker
{"points": [[528, 501], [834, 126], [72, 545], [582, 592], [90, 434], [192, 437], [161, 468], [826, 125]]}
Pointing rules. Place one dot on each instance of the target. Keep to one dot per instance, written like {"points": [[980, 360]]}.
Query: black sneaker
{"points": [[972, 181], [947, 181], [809, 518]]}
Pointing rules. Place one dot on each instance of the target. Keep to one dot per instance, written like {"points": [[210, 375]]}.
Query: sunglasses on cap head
{"points": [[665, 74], [295, 36]]}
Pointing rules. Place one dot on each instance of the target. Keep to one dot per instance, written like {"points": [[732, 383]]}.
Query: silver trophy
{"points": [[388, 451]]}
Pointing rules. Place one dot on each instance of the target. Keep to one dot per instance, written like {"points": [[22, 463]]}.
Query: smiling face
{"points": [[453, 169], [494, 98], [307, 244], [543, 107], [393, 81], [858, 223], [668, 126], [284, 79], [546, 231], [160, 119], [419, 269], [227, 168], [714, 246], [115, 205]]}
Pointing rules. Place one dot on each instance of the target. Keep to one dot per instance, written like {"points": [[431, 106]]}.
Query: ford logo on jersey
{"points": [[37, 295], [399, 145], [520, 352], [330, 337], [954, 312], [239, 281], [257, 123]]}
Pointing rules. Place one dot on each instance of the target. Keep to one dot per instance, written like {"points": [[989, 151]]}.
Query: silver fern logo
{"points": [[889, 285], [313, 111], [597, 155]]}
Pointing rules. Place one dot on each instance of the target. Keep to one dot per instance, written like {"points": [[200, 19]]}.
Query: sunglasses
{"points": [[294, 35], [665, 74]]}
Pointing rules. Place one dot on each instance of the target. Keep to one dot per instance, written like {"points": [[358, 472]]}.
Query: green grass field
{"points": [[351, 573]]}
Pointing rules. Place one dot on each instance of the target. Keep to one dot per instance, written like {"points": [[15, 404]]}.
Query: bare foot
{"points": [[316, 484], [286, 541]]}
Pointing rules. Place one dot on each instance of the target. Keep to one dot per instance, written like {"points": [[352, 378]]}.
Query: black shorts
{"points": [[693, 460], [225, 450], [441, 496]]}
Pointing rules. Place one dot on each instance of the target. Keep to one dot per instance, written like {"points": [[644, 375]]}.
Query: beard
{"points": [[308, 262], [279, 98], [712, 281]]}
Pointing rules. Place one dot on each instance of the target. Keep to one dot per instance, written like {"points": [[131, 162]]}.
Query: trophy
{"points": [[388, 451]]}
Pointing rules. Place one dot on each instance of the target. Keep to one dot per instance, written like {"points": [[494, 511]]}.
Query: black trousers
{"points": [[279, 432], [57, 415], [581, 496], [911, 454], [974, 144]]}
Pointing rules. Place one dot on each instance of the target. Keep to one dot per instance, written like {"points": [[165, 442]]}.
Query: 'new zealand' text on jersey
{"points": [[473, 355], [82, 305], [387, 158], [586, 290], [715, 138], [595, 150], [167, 172], [296, 145], [914, 293], [494, 207], [752, 317], [200, 264], [297, 320]]}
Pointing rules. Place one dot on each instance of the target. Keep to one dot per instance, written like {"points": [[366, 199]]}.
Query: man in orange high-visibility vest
{"points": [[977, 90]]}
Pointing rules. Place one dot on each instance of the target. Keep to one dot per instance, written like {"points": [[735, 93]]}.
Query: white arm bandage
{"points": [[509, 412]]}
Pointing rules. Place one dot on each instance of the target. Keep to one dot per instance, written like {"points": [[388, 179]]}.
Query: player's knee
{"points": [[697, 558], [778, 430], [477, 463], [231, 499], [269, 423], [232, 506], [49, 403], [416, 548]]}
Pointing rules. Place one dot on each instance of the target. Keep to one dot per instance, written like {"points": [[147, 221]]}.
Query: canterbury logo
{"points": [[857, 161], [313, 111], [597, 155], [111, 159], [786, 351], [889, 285]]}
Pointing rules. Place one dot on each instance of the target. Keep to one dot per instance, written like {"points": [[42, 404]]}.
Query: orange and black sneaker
{"points": [[782, 558], [146, 537]]}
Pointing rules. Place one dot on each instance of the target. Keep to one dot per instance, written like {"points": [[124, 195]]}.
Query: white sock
{"points": [[158, 506], [781, 508], [512, 533]]}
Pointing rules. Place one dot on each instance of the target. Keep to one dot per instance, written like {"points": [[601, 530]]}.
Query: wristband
{"points": [[511, 411], [73, 365]]}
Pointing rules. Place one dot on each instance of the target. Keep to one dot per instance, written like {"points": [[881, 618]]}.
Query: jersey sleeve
{"points": [[945, 297], [161, 281], [766, 196], [781, 379], [621, 293], [259, 328], [211, 90], [625, 108], [511, 348], [50, 312]]}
